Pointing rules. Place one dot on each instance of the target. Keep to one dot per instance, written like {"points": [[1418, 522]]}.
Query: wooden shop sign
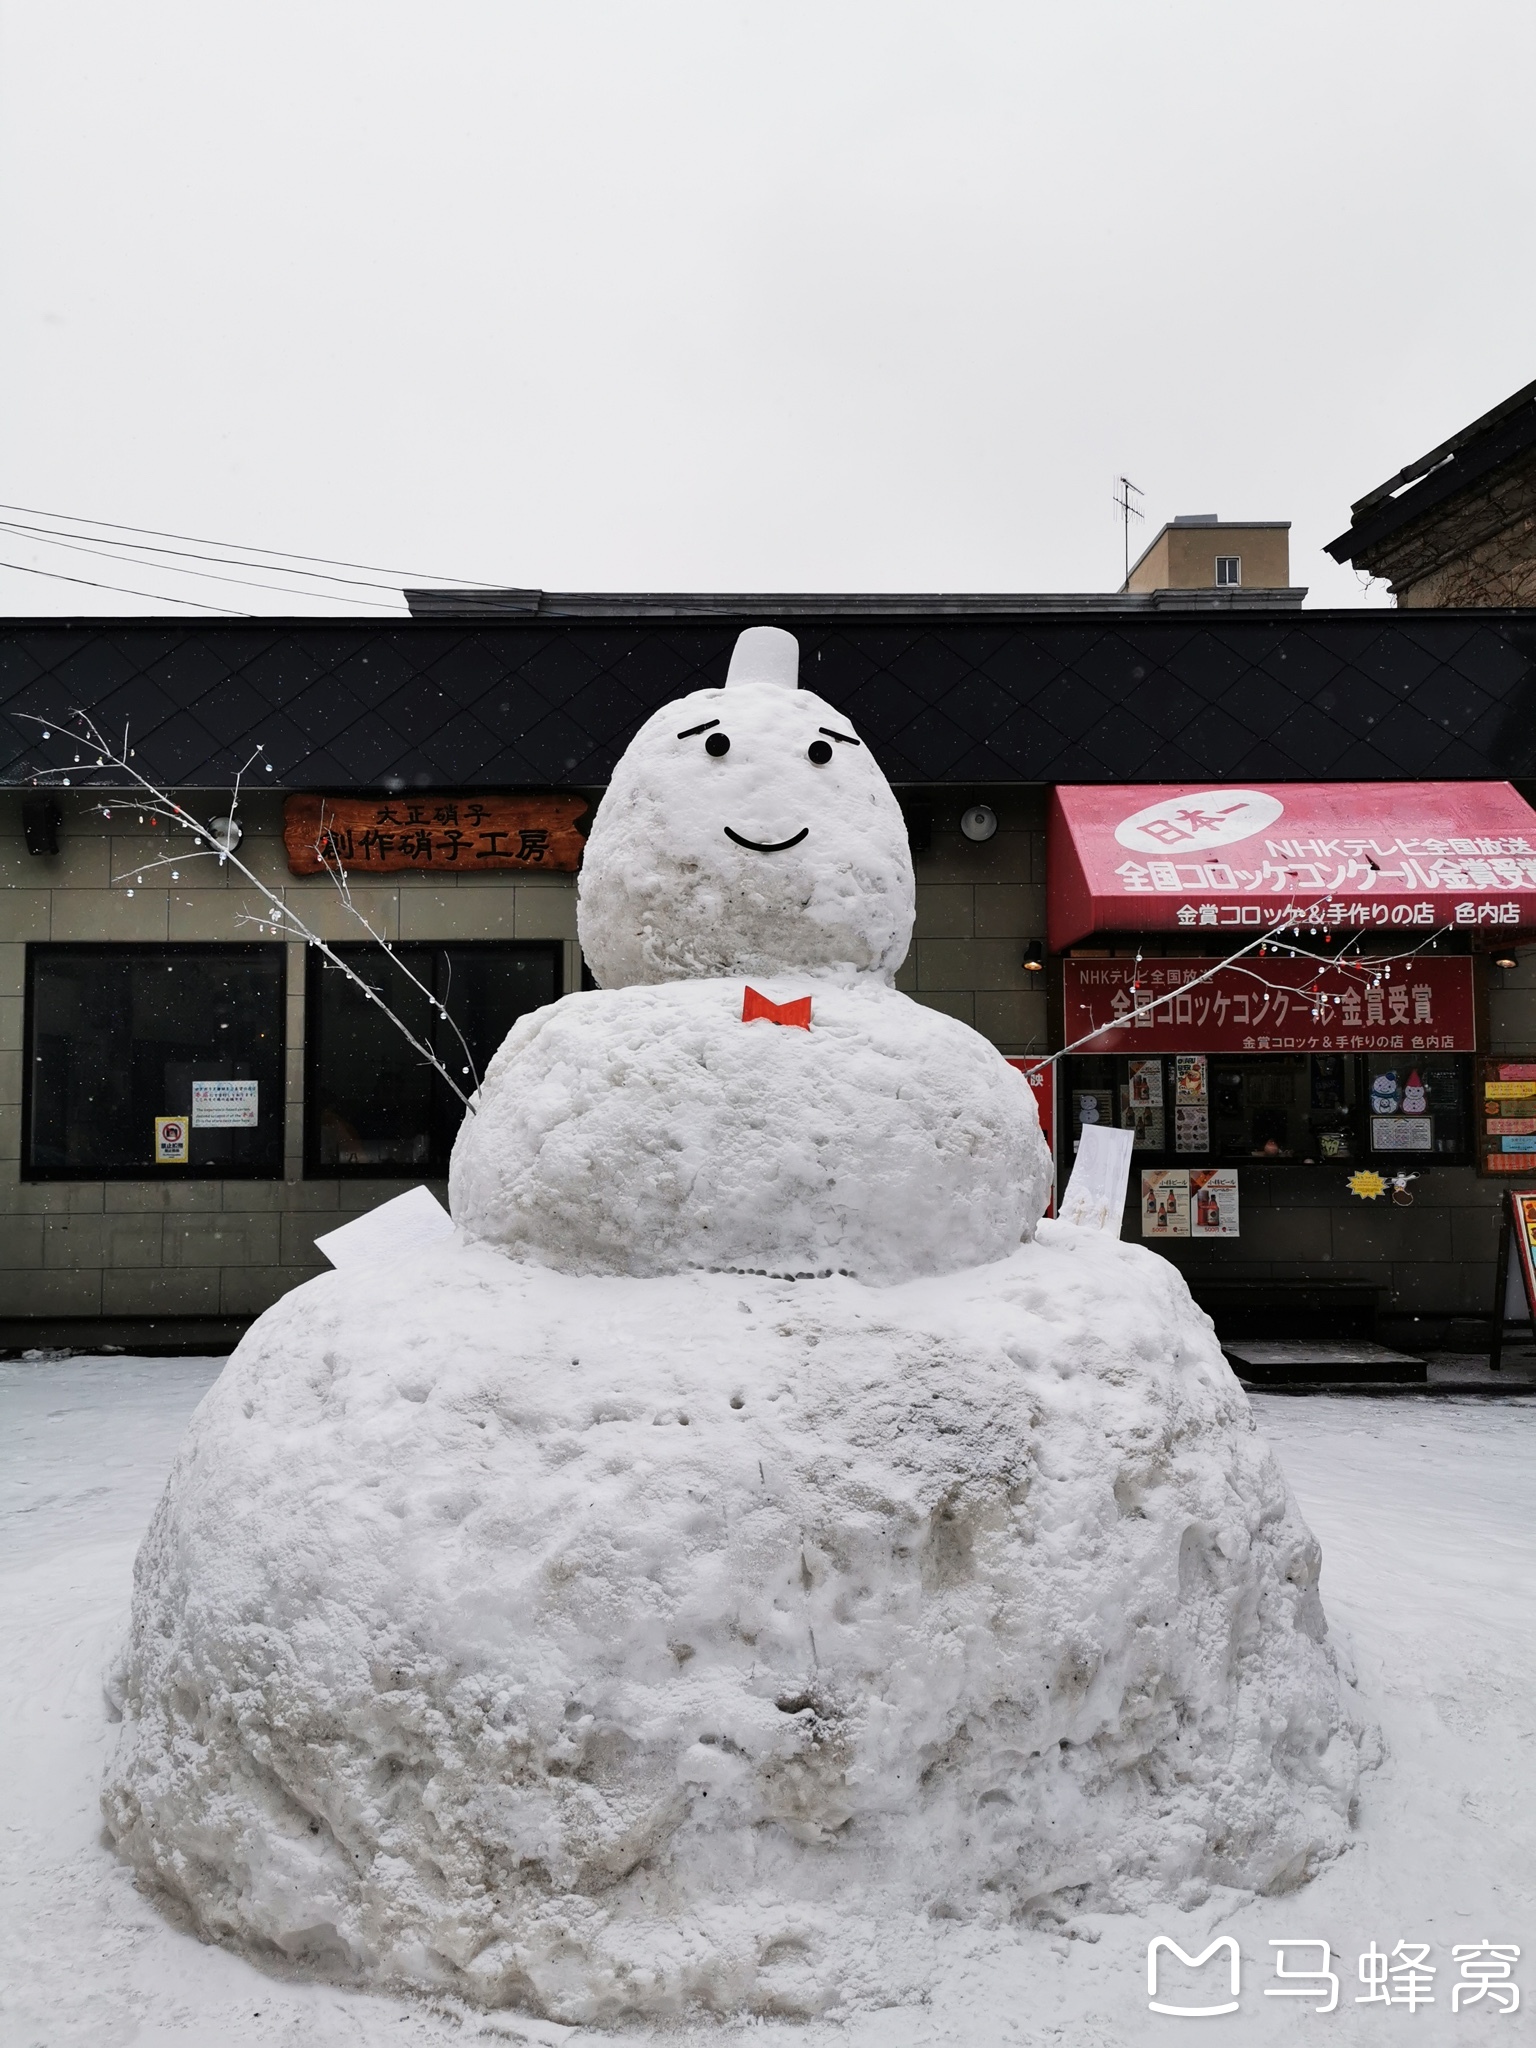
{"points": [[446, 834]]}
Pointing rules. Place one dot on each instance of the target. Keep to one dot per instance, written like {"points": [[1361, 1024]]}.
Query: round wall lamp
{"points": [[1034, 958], [979, 822], [1506, 959], [226, 833]]}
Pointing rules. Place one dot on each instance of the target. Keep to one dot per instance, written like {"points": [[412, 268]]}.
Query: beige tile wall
{"points": [[227, 1249], [210, 1249], [978, 906]]}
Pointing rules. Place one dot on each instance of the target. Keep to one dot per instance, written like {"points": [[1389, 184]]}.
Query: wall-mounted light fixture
{"points": [[1034, 958], [979, 822], [1506, 960], [227, 833]]}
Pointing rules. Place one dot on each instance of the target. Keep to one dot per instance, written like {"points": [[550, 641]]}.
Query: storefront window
{"points": [[123, 1046], [1417, 1105], [372, 1104], [1279, 1108]]}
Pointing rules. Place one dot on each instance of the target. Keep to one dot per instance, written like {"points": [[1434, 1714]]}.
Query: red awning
{"points": [[1344, 856]]}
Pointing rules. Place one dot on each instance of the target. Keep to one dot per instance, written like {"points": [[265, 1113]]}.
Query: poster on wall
{"points": [[1213, 1201], [1144, 1121], [1191, 1127], [171, 1140], [1402, 1134], [1146, 1084], [224, 1105], [1042, 1085], [1189, 1078], [1164, 1201], [1093, 1106]]}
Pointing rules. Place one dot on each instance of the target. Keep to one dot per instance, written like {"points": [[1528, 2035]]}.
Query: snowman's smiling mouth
{"points": [[758, 846]]}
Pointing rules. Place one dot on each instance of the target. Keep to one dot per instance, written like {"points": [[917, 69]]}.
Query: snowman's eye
{"points": [[819, 752], [717, 744]]}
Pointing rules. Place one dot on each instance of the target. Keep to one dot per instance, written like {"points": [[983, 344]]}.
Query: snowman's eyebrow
{"points": [[695, 729], [847, 738]]}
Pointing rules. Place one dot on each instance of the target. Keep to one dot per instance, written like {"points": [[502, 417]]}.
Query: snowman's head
{"points": [[746, 830]]}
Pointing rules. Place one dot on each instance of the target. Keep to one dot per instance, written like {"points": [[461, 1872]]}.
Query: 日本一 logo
{"points": [[1207, 817]]}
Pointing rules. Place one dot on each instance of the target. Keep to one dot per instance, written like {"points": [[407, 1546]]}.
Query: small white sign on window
{"points": [[224, 1105], [1402, 1134]]}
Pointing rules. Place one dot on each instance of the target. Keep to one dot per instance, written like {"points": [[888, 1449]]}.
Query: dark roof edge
{"points": [[1436, 456], [1455, 466], [604, 604]]}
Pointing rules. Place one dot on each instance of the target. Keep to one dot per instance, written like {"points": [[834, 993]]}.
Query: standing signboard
{"points": [[1514, 1293]]}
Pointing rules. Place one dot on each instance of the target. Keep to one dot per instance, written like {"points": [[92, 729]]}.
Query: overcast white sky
{"points": [[744, 296]]}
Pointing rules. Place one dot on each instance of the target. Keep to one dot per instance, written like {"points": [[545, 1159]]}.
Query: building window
{"points": [[372, 1104], [1229, 571], [1285, 1109], [119, 1038]]}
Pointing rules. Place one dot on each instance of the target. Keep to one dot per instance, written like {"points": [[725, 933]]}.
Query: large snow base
{"points": [[611, 1645]]}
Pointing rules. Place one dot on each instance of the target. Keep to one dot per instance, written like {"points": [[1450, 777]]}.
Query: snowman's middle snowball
{"points": [[651, 1130]]}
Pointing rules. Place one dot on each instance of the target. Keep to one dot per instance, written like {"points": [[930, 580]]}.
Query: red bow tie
{"points": [[797, 1012]]}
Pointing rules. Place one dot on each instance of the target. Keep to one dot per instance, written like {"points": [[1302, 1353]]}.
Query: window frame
{"points": [[1235, 580], [315, 964], [47, 949]]}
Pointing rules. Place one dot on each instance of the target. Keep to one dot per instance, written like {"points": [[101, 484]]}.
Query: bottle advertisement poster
{"points": [[1213, 1208], [1164, 1201]]}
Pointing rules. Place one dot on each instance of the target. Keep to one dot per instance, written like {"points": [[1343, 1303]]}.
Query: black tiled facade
{"points": [[978, 699]]}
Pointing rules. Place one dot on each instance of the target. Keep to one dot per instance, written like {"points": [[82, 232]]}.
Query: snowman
{"points": [[1384, 1094], [755, 1549], [1415, 1096], [749, 848]]}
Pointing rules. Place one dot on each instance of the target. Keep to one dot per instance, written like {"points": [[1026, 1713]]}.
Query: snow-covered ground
{"points": [[1424, 1510]]}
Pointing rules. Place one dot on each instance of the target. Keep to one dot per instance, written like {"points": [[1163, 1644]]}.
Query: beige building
{"points": [[1198, 551]]}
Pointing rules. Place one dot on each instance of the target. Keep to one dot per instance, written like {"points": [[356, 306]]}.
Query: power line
{"points": [[122, 590], [148, 548], [84, 547], [202, 540]]}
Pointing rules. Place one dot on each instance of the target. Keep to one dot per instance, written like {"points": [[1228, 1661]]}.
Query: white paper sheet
{"points": [[409, 1223], [1095, 1196]]}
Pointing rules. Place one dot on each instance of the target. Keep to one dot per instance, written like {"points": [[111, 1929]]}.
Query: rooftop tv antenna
{"points": [[1125, 490]]}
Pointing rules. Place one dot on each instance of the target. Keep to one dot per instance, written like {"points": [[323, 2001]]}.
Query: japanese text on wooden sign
{"points": [[446, 834]]}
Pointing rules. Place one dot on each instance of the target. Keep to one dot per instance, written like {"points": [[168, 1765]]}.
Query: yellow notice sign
{"points": [[171, 1135], [1508, 1091]]}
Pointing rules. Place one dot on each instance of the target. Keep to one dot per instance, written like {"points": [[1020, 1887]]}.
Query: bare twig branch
{"points": [[280, 913]]}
